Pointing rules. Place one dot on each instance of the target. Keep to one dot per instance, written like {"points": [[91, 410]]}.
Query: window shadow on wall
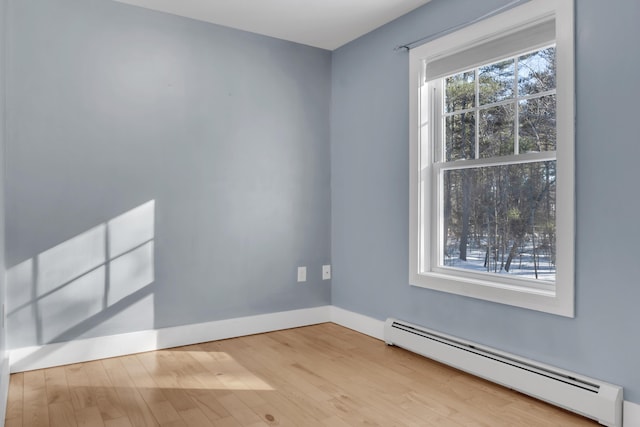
{"points": [[100, 280]]}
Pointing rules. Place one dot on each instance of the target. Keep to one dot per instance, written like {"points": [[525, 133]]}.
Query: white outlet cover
{"points": [[326, 272], [302, 274]]}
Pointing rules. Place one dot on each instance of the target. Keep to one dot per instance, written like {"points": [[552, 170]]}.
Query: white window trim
{"points": [[561, 300]]}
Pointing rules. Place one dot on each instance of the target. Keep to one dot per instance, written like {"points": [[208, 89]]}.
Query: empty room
{"points": [[319, 213]]}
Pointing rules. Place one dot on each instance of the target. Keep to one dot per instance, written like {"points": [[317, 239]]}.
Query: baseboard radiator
{"points": [[588, 397]]}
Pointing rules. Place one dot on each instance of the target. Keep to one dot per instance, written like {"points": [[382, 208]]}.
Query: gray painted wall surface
{"points": [[370, 198], [160, 171], [3, 38]]}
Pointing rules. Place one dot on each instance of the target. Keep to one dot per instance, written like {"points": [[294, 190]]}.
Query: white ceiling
{"points": [[327, 24]]}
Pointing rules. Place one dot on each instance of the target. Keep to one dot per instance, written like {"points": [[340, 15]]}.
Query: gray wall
{"points": [[160, 171], [3, 8], [370, 198]]}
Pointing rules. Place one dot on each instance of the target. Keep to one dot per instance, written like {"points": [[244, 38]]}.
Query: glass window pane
{"points": [[496, 131], [460, 92], [496, 81], [460, 136], [537, 72], [501, 219], [537, 118]]}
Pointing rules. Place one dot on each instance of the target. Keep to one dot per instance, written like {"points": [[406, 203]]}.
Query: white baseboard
{"points": [[45, 356], [358, 322], [83, 350], [631, 414]]}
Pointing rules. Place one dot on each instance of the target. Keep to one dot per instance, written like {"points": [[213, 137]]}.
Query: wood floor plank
{"points": [[154, 396], [82, 395], [166, 374], [56, 385], [13, 422], [239, 410], [208, 403], [62, 414], [311, 401], [290, 370], [107, 399], [164, 412], [195, 417], [175, 423], [335, 421], [228, 422], [317, 376], [144, 383], [118, 422], [281, 375], [224, 373], [89, 416], [15, 400], [35, 411], [287, 410], [132, 402]]}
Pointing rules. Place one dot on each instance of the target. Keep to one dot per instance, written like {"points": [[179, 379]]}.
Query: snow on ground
{"points": [[521, 266]]}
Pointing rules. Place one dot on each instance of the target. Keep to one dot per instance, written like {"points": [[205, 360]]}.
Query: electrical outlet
{"points": [[326, 272], [302, 274]]}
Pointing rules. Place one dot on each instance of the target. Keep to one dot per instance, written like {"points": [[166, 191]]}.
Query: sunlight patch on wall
{"points": [[130, 273], [74, 286], [131, 229]]}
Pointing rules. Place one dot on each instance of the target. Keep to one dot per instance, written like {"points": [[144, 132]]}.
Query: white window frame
{"points": [[423, 269]]}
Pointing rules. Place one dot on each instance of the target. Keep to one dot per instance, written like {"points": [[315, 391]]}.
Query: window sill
{"points": [[553, 302]]}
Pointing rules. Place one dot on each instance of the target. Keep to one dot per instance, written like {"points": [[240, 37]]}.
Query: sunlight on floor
{"points": [[206, 370]]}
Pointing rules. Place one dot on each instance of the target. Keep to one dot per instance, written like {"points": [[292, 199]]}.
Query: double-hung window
{"points": [[492, 191]]}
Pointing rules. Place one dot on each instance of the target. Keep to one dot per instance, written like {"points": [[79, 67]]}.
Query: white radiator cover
{"points": [[586, 396]]}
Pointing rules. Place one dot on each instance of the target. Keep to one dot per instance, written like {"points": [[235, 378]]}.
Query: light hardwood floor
{"points": [[322, 375]]}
